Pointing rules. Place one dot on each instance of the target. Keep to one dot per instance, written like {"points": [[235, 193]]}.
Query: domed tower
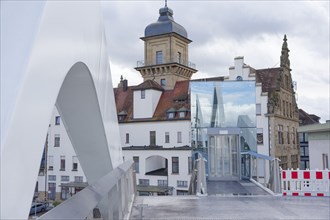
{"points": [[165, 52]]}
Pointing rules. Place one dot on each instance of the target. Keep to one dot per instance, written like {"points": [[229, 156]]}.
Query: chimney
{"points": [[125, 85]]}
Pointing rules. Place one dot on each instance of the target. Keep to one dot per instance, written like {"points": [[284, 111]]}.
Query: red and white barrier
{"points": [[305, 182]]}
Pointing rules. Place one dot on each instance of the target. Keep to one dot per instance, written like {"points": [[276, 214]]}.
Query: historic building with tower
{"points": [[169, 117]]}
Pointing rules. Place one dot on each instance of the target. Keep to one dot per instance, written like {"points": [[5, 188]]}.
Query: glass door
{"points": [[223, 157]]}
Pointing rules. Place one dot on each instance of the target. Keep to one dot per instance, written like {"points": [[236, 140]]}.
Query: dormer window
{"points": [[122, 115], [239, 78], [143, 93], [171, 113], [183, 112]]}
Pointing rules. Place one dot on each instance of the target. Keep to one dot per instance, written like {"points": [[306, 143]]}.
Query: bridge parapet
{"points": [[113, 195]]}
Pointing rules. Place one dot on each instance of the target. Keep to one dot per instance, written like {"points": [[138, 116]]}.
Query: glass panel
{"points": [[223, 104]]}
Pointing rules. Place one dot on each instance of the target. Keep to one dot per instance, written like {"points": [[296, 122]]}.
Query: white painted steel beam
{"points": [[66, 62]]}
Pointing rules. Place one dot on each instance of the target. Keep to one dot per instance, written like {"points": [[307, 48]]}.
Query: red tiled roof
{"points": [[176, 98], [306, 119], [268, 78], [149, 84]]}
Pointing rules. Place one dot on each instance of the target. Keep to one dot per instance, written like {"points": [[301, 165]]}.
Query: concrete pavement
{"points": [[231, 207]]}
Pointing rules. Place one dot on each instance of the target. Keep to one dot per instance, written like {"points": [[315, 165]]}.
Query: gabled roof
{"points": [[149, 84], [268, 78], [306, 119], [175, 99]]}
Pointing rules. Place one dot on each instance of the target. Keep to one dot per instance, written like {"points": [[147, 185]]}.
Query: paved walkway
{"points": [[231, 207], [243, 187]]}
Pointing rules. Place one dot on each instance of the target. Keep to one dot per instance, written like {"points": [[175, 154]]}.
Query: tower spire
{"points": [[285, 62], [165, 3]]}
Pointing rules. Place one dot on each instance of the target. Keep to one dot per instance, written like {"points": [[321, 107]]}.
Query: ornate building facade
{"points": [[282, 110]]}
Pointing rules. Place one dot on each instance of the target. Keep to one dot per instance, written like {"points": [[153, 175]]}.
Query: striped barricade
{"points": [[305, 182]]}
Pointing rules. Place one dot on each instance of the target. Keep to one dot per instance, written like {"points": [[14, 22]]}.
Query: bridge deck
{"points": [[243, 187], [231, 207]]}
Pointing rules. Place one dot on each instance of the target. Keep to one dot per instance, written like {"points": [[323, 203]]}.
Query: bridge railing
{"points": [[262, 170], [111, 197], [198, 184]]}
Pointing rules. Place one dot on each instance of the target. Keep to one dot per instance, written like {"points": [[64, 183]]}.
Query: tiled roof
{"points": [[306, 119], [149, 84], [124, 100], [175, 99], [268, 78]]}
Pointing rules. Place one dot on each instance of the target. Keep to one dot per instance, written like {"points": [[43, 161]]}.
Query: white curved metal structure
{"points": [[66, 63]]}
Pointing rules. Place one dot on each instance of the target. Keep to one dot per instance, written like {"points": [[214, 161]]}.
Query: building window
{"points": [[163, 82], [179, 136], [79, 179], [143, 182], [57, 140], [65, 178], [51, 191], [190, 165], [57, 120], [136, 164], [239, 78], [74, 163], [288, 135], [280, 134], [283, 107], [50, 162], [62, 162], [260, 136], [182, 114], [127, 138], [152, 138], [179, 57], [167, 137], [159, 57], [284, 162], [294, 135], [325, 160], [162, 182], [51, 177], [65, 193], [170, 115], [181, 183], [175, 165], [294, 161], [182, 192], [258, 109], [143, 93]]}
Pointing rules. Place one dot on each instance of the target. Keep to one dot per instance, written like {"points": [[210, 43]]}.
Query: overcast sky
{"points": [[223, 30]]}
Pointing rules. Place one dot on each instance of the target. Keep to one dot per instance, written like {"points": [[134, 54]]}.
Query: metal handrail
{"points": [[81, 205], [141, 63]]}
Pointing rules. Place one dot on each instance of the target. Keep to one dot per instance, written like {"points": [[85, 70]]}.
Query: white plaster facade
{"points": [[183, 176], [169, 134], [319, 144], [240, 69], [139, 133], [145, 104], [55, 153]]}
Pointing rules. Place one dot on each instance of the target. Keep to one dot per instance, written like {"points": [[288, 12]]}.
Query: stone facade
{"points": [[283, 115], [166, 58]]}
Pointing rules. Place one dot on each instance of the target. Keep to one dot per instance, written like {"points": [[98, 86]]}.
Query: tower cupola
{"points": [[166, 57], [165, 25]]}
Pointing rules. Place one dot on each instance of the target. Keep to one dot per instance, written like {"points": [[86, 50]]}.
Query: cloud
{"points": [[222, 30]]}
